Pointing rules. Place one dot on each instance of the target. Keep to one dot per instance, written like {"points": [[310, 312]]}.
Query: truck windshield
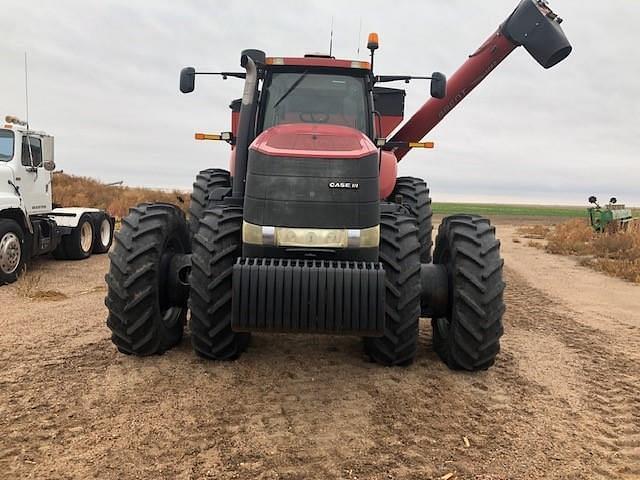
{"points": [[6, 145], [306, 97]]}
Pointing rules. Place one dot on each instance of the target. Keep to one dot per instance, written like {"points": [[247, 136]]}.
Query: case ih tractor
{"points": [[311, 231]]}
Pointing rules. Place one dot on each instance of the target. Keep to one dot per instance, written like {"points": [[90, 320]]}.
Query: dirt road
{"points": [[563, 400]]}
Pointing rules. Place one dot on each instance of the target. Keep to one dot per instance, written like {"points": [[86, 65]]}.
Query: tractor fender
{"points": [[388, 173]]}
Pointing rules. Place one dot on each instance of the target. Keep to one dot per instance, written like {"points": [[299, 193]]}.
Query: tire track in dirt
{"points": [[561, 402], [609, 415], [517, 425]]}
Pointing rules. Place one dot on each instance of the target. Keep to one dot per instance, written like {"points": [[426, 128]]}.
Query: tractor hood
{"points": [[312, 140], [312, 176]]}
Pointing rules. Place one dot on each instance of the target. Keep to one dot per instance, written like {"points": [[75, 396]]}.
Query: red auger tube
{"points": [[532, 25]]}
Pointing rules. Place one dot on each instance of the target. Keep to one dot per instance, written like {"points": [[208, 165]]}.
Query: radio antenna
{"points": [[331, 39], [359, 35], [26, 88]]}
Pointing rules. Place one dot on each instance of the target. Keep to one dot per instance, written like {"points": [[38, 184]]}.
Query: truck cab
{"points": [[29, 225], [26, 162]]}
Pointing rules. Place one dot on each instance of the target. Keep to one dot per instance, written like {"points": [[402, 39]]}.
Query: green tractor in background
{"points": [[612, 217]]}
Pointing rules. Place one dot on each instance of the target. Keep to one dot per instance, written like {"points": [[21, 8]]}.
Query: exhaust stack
{"points": [[532, 24]]}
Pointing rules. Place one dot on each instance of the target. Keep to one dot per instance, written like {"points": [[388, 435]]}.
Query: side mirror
{"points": [[438, 85], [593, 199], [47, 154], [187, 79]]}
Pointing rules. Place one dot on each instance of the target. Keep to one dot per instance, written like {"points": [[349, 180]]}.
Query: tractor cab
{"points": [[325, 91], [318, 90]]}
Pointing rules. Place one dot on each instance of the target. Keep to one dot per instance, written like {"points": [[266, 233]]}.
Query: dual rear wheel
{"points": [[93, 234], [144, 317]]}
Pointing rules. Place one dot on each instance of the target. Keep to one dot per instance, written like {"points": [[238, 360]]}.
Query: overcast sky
{"points": [[103, 78]]}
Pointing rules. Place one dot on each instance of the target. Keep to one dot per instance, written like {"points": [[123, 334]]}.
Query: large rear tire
{"points": [[141, 318], [216, 246], [12, 251], [202, 195], [468, 338], [415, 197], [400, 256]]}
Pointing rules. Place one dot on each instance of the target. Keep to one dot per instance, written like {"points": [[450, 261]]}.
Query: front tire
{"points": [[12, 251], [202, 195], [400, 256], [415, 198], [468, 338], [141, 319], [216, 246]]}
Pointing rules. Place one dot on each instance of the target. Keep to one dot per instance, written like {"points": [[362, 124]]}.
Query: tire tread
{"points": [[468, 246], [135, 320]]}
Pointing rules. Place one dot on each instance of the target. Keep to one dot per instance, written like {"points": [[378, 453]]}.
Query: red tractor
{"points": [[310, 230]]}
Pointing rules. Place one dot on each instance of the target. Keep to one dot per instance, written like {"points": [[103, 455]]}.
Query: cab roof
{"points": [[318, 61], [21, 129]]}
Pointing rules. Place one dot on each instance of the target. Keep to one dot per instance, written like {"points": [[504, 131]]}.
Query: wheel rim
{"points": [[105, 232], [86, 236], [10, 253]]}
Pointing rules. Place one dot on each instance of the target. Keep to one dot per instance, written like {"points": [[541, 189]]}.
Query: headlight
{"points": [[370, 237], [252, 233], [310, 237]]}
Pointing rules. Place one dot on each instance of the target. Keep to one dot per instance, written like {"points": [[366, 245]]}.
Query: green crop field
{"points": [[493, 209]]}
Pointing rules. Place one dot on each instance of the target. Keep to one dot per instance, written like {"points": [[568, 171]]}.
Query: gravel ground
{"points": [[562, 401]]}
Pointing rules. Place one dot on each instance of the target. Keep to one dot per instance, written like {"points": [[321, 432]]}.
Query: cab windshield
{"points": [[6, 145], [306, 97]]}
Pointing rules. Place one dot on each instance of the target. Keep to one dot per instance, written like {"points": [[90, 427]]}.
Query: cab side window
{"points": [[35, 151]]}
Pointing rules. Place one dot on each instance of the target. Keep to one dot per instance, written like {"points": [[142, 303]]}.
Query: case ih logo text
{"points": [[347, 185]]}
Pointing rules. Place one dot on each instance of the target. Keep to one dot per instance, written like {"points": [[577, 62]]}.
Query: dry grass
{"points": [[29, 286], [574, 237], [71, 190], [534, 244], [616, 253], [538, 232]]}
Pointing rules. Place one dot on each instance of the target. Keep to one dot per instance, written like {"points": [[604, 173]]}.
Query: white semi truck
{"points": [[29, 225]]}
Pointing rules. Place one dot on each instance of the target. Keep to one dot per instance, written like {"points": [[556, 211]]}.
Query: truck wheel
{"points": [[400, 256], [142, 318], [216, 247], [206, 182], [12, 251], [415, 197], [104, 234], [468, 338], [79, 243]]}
